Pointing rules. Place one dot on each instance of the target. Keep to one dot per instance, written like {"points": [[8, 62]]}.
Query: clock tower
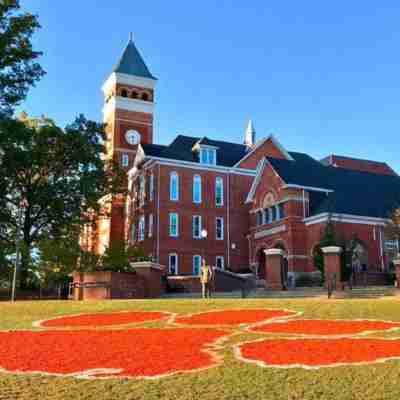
{"points": [[128, 115], [128, 106]]}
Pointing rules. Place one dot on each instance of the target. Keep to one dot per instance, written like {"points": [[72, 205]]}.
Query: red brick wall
{"points": [[267, 149], [185, 245]]}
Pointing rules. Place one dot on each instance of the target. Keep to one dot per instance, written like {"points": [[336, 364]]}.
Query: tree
{"points": [[18, 66], [118, 258], [60, 175]]}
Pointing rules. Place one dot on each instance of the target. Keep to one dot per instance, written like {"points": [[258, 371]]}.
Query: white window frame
{"points": [[173, 216], [197, 184], [151, 221], [125, 160], [208, 155], [196, 259], [219, 185], [142, 189], [151, 188], [142, 228], [173, 181], [200, 226], [170, 255], [219, 219], [222, 258]]}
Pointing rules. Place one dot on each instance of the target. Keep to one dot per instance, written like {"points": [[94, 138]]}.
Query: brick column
{"points": [[273, 260], [332, 265], [396, 263]]}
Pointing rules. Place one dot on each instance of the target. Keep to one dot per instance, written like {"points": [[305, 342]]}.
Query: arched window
{"points": [[145, 96], [197, 189], [259, 218], [174, 186], [219, 191], [124, 93], [134, 95]]}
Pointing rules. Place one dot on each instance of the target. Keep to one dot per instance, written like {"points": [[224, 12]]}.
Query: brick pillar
{"points": [[332, 265], [396, 263], [273, 269]]}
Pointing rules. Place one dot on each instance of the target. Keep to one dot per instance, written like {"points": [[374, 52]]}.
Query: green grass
{"points": [[233, 380]]}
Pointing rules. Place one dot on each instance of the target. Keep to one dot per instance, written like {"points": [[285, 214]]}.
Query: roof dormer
{"points": [[207, 151]]}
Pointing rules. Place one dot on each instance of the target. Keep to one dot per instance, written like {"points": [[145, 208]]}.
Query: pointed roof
{"points": [[132, 63]]}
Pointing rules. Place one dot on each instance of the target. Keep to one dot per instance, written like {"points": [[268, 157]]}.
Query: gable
{"points": [[267, 181], [268, 147]]}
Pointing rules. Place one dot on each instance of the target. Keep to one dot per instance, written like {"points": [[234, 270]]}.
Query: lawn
{"points": [[233, 379]]}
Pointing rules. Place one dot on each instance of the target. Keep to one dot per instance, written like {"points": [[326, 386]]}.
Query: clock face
{"points": [[132, 137]]}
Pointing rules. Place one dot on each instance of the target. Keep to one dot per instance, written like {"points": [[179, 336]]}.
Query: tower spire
{"points": [[250, 135]]}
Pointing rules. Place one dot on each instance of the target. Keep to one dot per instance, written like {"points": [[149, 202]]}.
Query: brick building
{"points": [[228, 202]]}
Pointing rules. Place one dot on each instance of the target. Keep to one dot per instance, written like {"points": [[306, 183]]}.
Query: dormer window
{"points": [[208, 155]]}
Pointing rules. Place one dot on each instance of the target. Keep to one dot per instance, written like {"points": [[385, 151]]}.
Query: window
{"points": [[197, 227], [273, 214], [151, 188], [219, 228], [220, 262], [142, 189], [208, 155], [141, 228], [196, 264], [259, 218], [219, 191], [173, 264], [282, 210], [173, 225], [125, 160], [174, 186], [133, 233], [150, 225], [197, 189]]}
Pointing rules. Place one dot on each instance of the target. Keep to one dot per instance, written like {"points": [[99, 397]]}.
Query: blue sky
{"points": [[322, 76]]}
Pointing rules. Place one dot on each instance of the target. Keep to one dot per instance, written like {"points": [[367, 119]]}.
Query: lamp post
{"points": [[22, 205], [204, 234]]}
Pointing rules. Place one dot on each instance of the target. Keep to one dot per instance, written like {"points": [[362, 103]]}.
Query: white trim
{"points": [[259, 171], [171, 216], [260, 143], [125, 103], [311, 188], [176, 263], [197, 181], [222, 228], [200, 226], [117, 77], [346, 218], [331, 250], [203, 167], [219, 179], [223, 262], [199, 258]]}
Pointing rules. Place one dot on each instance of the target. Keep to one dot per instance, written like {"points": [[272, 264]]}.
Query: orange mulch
{"points": [[104, 319], [233, 317], [137, 352], [318, 352], [325, 327]]}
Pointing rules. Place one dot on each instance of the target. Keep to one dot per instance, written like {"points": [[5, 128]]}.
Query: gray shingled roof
{"points": [[228, 154], [132, 63], [354, 192]]}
